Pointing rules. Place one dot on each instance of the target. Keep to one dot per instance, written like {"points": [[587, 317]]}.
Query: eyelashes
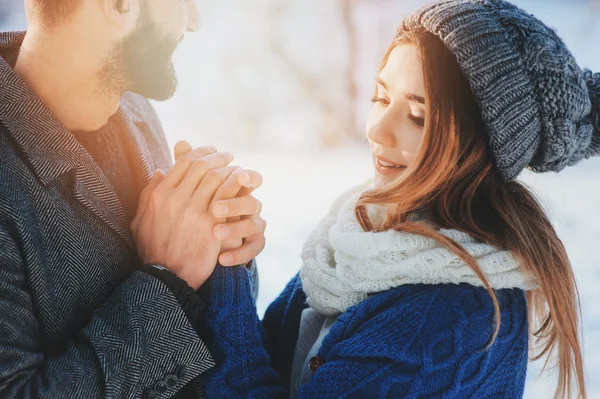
{"points": [[420, 122], [416, 120], [380, 100]]}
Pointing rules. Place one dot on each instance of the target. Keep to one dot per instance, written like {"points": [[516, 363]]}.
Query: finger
{"points": [[196, 173], [183, 164], [244, 228], [251, 180], [238, 206], [229, 245], [243, 255], [213, 179], [157, 177], [230, 187], [239, 183], [181, 148], [255, 182]]}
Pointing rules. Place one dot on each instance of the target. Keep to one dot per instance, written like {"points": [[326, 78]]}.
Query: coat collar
{"points": [[50, 148]]}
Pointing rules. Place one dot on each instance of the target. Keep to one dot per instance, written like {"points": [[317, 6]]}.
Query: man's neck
{"points": [[64, 72]]}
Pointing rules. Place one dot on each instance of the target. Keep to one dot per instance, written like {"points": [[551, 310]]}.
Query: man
{"points": [[88, 307]]}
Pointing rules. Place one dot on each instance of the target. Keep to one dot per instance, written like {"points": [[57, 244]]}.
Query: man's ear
{"points": [[123, 6], [122, 14]]}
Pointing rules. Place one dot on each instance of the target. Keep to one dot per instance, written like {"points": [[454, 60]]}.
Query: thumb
{"points": [[181, 148]]}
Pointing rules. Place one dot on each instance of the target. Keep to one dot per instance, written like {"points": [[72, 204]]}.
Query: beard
{"points": [[143, 62]]}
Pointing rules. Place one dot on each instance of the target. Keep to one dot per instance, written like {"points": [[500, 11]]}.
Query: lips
{"points": [[385, 167]]}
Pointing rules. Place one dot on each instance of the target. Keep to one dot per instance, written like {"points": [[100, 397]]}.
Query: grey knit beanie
{"points": [[540, 109]]}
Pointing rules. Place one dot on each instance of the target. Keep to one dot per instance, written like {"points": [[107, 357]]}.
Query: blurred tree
{"points": [[347, 8], [328, 82], [12, 15], [4, 11]]}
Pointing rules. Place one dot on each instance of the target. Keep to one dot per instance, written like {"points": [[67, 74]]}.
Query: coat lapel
{"points": [[137, 147]]}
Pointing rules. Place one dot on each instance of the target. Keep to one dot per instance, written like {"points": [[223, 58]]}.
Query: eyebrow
{"points": [[414, 98], [409, 96], [382, 83]]}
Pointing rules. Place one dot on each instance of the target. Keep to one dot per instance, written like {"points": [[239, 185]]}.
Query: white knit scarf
{"points": [[343, 263]]}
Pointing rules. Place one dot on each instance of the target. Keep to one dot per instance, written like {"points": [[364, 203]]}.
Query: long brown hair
{"points": [[454, 179]]}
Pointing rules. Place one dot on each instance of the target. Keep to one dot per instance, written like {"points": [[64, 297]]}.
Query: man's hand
{"points": [[173, 226]]}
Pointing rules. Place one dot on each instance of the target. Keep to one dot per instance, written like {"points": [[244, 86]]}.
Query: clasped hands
{"points": [[200, 213]]}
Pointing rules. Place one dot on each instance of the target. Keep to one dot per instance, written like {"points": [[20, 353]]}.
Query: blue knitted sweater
{"points": [[414, 341]]}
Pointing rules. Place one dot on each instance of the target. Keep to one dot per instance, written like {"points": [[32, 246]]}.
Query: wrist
{"points": [[192, 280], [191, 303]]}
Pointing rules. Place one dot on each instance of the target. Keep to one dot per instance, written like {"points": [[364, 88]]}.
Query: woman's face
{"points": [[395, 123]]}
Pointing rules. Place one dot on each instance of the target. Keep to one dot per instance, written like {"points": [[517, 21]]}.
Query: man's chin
{"points": [[156, 92], [162, 96]]}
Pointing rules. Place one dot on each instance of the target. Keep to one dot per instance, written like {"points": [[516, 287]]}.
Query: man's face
{"points": [[142, 62]]}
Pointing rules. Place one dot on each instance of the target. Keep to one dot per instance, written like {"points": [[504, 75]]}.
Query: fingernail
{"points": [[226, 259], [221, 232], [158, 174], [220, 210], [244, 179]]}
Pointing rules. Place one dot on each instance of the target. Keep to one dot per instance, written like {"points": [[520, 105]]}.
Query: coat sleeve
{"points": [[137, 337], [431, 345]]}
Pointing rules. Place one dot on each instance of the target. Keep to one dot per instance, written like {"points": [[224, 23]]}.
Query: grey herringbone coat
{"points": [[76, 319]]}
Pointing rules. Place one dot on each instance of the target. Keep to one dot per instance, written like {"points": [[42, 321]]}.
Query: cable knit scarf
{"points": [[342, 263]]}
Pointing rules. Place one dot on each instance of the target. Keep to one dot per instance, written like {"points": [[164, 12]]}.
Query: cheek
{"points": [[172, 15], [410, 142]]}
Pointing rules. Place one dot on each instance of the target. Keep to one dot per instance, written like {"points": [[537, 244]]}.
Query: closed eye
{"points": [[418, 121], [380, 100]]}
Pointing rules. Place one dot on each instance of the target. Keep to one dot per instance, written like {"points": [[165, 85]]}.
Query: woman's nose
{"points": [[193, 22], [382, 134]]}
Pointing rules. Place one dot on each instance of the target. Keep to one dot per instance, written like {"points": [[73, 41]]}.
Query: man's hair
{"points": [[54, 12]]}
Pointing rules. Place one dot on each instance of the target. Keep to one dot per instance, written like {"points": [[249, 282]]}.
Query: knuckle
{"points": [[260, 243], [186, 161], [213, 174], [253, 248], [224, 172], [156, 196], [200, 163], [206, 149], [259, 206], [231, 170], [257, 225], [225, 156], [193, 213], [176, 202]]}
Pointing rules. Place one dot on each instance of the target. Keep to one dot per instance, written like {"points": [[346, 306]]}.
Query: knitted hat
{"points": [[540, 109]]}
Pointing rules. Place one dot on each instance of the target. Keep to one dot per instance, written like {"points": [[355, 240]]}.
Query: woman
{"points": [[426, 282]]}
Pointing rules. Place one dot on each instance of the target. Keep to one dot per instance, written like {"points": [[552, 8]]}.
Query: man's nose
{"points": [[193, 22]]}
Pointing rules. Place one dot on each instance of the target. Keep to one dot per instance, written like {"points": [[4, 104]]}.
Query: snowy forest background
{"points": [[285, 85]]}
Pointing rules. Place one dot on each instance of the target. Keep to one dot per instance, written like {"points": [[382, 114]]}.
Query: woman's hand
{"points": [[241, 229]]}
